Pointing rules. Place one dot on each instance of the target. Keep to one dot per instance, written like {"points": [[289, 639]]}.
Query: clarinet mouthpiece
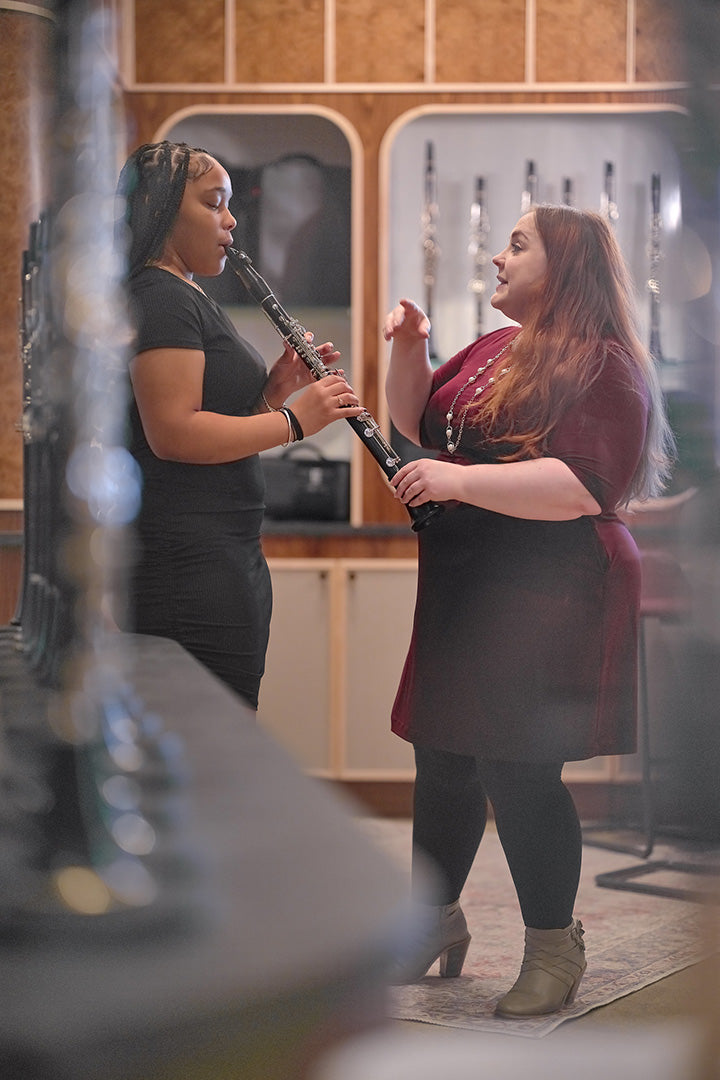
{"points": [[236, 256]]}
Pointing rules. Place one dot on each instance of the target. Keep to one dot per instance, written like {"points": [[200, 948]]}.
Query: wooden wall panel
{"points": [[581, 41], [279, 41], [660, 52], [11, 536], [179, 42], [10, 574], [480, 43], [381, 42]]}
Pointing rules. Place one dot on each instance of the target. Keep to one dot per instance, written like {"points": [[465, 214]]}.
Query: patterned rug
{"points": [[632, 940]]}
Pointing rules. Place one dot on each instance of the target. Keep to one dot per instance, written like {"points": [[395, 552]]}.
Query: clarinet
{"points": [[608, 205], [528, 199], [477, 249], [653, 285], [290, 330], [430, 246]]}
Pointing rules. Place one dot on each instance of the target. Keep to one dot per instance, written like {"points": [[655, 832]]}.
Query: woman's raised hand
{"points": [[406, 320]]}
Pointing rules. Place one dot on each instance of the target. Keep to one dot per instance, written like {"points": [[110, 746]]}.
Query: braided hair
{"points": [[152, 183]]}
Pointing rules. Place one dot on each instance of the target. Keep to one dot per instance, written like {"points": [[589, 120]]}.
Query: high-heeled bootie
{"points": [[444, 938], [552, 967]]}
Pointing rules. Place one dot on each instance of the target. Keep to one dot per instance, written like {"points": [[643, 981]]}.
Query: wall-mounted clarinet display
{"points": [[591, 159], [478, 251], [655, 258], [608, 203], [430, 247], [530, 192]]}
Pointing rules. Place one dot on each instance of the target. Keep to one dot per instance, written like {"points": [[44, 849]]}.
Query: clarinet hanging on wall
{"points": [[365, 426], [608, 203], [477, 249], [430, 246], [530, 192], [655, 256]]}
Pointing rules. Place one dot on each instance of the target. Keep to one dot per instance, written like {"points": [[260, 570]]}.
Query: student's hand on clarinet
{"points": [[330, 398]]}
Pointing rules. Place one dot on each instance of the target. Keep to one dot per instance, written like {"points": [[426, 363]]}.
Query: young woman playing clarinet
{"points": [[203, 407]]}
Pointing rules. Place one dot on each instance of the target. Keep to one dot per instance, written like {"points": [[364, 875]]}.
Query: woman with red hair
{"points": [[523, 653]]}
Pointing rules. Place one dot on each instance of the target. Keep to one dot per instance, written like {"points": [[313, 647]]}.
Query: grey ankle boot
{"points": [[553, 965], [445, 938]]}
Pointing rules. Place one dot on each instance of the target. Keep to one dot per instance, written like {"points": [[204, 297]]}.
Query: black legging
{"points": [[536, 821]]}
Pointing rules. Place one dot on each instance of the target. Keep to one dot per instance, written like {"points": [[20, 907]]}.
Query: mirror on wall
{"points": [[458, 182], [291, 178]]}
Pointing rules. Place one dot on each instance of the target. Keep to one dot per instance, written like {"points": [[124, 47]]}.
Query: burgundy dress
{"points": [[525, 632]]}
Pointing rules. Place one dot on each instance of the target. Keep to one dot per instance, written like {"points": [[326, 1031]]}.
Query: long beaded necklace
{"points": [[453, 443]]}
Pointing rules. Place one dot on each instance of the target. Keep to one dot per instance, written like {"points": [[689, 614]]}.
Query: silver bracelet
{"points": [[291, 433], [267, 404]]}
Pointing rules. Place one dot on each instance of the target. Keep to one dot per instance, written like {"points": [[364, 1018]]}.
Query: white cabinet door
{"points": [[339, 635], [296, 691], [380, 599]]}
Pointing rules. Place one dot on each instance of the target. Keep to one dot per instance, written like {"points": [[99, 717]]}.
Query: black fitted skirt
{"points": [[201, 579]]}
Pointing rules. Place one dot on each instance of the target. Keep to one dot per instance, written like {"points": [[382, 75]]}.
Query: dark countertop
{"points": [[292, 913], [271, 527], [331, 528]]}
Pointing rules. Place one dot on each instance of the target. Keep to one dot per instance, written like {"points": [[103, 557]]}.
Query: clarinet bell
{"points": [[423, 515]]}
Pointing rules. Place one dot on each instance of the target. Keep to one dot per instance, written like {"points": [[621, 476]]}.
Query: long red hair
{"points": [[584, 308]]}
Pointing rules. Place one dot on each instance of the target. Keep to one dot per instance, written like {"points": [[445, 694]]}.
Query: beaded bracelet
{"points": [[266, 403], [297, 429]]}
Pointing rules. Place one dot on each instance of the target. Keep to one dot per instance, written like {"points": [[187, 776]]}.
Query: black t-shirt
{"points": [[199, 575], [169, 313]]}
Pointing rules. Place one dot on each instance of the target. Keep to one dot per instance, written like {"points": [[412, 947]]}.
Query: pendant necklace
{"points": [[453, 443]]}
